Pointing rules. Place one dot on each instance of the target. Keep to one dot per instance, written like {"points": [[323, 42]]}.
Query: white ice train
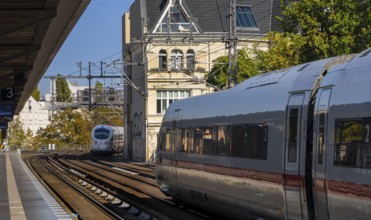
{"points": [[289, 144], [107, 139]]}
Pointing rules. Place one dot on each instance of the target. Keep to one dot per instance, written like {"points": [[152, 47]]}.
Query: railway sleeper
{"points": [[116, 201], [110, 197], [84, 183], [124, 205], [103, 194]]}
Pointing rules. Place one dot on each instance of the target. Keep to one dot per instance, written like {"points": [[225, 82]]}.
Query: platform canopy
{"points": [[31, 33]]}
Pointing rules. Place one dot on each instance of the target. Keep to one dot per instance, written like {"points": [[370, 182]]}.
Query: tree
{"points": [[63, 91], [108, 116], [67, 127], [17, 137], [99, 89], [219, 72], [328, 28], [254, 61], [36, 94], [312, 30]]}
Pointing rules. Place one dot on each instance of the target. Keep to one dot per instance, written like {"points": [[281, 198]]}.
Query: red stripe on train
{"points": [[335, 187]]}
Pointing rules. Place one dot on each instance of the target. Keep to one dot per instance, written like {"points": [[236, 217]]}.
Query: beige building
{"points": [[169, 47]]}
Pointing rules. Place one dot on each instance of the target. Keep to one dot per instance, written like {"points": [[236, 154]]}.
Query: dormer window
{"points": [[175, 19], [244, 17]]}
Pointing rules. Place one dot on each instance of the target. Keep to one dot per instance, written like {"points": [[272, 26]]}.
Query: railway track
{"points": [[78, 203], [127, 190]]}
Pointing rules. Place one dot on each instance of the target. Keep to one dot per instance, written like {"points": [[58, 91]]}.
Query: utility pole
{"points": [[89, 79], [53, 82], [232, 44]]}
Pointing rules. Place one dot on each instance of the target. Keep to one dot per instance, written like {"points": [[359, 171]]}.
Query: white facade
{"points": [[34, 115], [72, 86]]}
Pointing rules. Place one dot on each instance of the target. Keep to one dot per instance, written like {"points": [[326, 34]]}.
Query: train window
{"points": [[207, 137], [249, 141], [222, 141], [101, 133], [197, 141], [323, 103], [293, 135], [165, 139], [352, 143], [183, 140], [322, 136], [168, 140]]}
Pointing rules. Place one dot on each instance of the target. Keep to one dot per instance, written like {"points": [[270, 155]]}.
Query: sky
{"points": [[96, 37]]}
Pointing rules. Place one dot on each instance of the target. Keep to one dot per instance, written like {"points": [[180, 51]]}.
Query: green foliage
{"points": [[17, 137], [251, 62], [313, 29], [99, 89], [328, 28], [282, 52], [36, 94], [108, 116], [67, 127], [219, 72], [63, 91]]}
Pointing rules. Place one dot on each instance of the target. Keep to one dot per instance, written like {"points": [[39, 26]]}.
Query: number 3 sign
{"points": [[7, 94]]}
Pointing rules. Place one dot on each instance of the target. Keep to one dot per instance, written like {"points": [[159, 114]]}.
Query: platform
{"points": [[22, 196]]}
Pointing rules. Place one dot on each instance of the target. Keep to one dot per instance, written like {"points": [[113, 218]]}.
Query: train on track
{"points": [[107, 139], [288, 144]]}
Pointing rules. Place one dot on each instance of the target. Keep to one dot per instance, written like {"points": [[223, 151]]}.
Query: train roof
{"points": [[261, 93], [108, 127]]}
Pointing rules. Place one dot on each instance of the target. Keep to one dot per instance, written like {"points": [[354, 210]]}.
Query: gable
{"points": [[174, 18]]}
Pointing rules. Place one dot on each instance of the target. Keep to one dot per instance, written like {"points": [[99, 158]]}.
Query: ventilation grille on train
{"points": [[365, 53]]}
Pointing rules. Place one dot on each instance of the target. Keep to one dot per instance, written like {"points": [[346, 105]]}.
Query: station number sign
{"points": [[7, 94]]}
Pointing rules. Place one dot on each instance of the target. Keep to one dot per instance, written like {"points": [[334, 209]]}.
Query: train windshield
{"points": [[101, 133]]}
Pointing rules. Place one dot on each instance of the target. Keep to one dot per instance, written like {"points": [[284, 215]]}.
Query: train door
{"points": [[174, 146], [319, 154], [293, 183]]}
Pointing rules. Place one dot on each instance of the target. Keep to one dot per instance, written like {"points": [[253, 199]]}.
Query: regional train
{"points": [[106, 139], [288, 144]]}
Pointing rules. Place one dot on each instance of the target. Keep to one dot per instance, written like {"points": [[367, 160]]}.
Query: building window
{"points": [[175, 21], [111, 99], [162, 58], [190, 60], [165, 98], [176, 59], [244, 17]]}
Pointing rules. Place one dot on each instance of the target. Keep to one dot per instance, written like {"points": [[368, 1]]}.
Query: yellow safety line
{"points": [[15, 202]]}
